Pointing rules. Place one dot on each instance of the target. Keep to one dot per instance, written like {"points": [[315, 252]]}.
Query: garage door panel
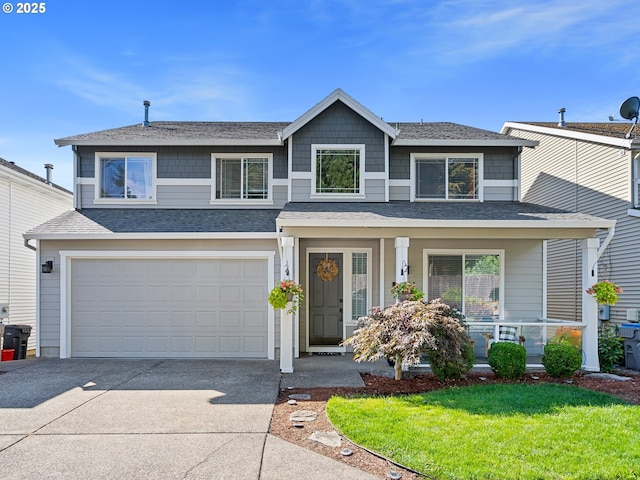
{"points": [[256, 320], [254, 344], [182, 319], [169, 307]]}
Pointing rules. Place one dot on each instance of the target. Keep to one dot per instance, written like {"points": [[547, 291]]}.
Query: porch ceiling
{"points": [[436, 220]]}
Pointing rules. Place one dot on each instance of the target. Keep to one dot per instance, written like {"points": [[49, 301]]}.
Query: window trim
{"points": [[462, 252], [129, 201], [337, 146], [240, 156], [446, 156]]}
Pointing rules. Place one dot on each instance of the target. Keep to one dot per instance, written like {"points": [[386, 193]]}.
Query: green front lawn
{"points": [[506, 431]]}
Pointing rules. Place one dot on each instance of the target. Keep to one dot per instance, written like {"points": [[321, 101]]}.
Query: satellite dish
{"points": [[629, 108]]}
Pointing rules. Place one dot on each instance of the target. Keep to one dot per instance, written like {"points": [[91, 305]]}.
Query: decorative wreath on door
{"points": [[327, 269]]}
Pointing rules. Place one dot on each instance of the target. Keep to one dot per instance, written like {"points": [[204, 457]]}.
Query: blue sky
{"points": [[83, 66]]}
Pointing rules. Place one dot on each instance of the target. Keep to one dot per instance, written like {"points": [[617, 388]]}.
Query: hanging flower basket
{"points": [[284, 293], [406, 291], [605, 292]]}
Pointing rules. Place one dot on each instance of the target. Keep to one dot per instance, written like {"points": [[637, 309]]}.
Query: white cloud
{"points": [[469, 30], [176, 87]]}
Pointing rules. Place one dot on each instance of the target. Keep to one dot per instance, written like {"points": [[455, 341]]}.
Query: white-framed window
{"points": [[446, 176], [360, 289], [125, 177], [471, 281], [242, 178], [337, 170]]}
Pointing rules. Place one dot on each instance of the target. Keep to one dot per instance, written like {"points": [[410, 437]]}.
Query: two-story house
{"points": [[182, 228], [591, 168], [27, 200]]}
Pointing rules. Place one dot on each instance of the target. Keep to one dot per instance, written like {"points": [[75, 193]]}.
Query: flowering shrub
{"points": [[605, 292], [402, 331], [407, 289], [610, 351], [284, 292]]}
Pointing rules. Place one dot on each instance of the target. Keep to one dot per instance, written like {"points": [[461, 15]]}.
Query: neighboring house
{"points": [[590, 168], [182, 228], [27, 201]]}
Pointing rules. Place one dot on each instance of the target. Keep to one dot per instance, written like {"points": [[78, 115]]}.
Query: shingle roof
{"points": [[609, 129], [27, 173], [266, 133], [180, 132], [109, 221], [437, 211], [106, 221], [444, 131]]}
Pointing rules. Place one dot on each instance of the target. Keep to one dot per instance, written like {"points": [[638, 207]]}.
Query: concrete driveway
{"points": [[150, 419]]}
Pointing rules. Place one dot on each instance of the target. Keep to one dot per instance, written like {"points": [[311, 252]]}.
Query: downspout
{"points": [[76, 159], [29, 246]]}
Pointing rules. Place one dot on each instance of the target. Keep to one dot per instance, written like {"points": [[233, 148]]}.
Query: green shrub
{"points": [[508, 360], [452, 367], [561, 359], [610, 351]]}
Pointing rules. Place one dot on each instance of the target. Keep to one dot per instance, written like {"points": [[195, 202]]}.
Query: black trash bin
{"points": [[16, 337], [631, 334]]}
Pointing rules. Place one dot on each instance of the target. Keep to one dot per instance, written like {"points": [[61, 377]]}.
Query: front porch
{"points": [[492, 270]]}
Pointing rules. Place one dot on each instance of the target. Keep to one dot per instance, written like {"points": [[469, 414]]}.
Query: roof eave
{"points": [[152, 236], [630, 143], [464, 143], [171, 142], [413, 223]]}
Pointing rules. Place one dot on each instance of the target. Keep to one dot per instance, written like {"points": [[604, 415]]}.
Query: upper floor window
{"points": [[242, 177], [442, 177], [338, 169], [127, 176]]}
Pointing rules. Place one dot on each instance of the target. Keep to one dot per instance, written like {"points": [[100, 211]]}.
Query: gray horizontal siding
{"points": [[183, 196], [280, 196], [496, 194], [375, 190], [300, 190], [182, 162], [399, 193]]}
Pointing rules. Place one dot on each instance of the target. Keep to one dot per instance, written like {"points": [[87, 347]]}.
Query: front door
{"points": [[325, 300]]}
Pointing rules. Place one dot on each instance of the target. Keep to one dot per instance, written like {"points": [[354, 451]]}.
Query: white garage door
{"points": [[169, 308]]}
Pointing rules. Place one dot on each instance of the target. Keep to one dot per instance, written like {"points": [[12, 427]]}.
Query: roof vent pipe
{"points": [[561, 122], [146, 104], [48, 167]]}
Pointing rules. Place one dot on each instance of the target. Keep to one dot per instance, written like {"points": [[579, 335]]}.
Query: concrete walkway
{"points": [[151, 419]]}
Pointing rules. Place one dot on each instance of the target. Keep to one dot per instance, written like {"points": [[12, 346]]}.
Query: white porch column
{"points": [[286, 319], [589, 304], [402, 259]]}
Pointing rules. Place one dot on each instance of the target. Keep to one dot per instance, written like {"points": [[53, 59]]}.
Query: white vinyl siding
{"points": [[590, 178], [27, 204]]}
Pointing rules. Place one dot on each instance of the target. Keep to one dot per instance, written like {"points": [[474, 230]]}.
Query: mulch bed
{"points": [[282, 427]]}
